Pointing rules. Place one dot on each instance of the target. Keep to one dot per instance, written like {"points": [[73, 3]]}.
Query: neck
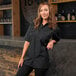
{"points": [[44, 22]]}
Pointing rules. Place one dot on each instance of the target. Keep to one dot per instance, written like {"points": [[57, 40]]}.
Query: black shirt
{"points": [[37, 54]]}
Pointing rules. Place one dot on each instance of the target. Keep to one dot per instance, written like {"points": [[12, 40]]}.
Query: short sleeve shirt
{"points": [[37, 54]]}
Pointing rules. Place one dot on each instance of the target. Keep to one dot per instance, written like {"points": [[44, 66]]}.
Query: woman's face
{"points": [[44, 12]]}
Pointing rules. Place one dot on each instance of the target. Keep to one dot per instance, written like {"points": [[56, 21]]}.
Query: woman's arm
{"points": [[55, 38], [50, 44], [26, 45]]}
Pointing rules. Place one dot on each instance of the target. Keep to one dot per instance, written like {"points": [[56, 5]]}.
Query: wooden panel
{"points": [[1, 14], [53, 11], [54, 7], [1, 1], [15, 18], [5, 7], [65, 0], [66, 21], [1, 30], [61, 1], [1, 26]]}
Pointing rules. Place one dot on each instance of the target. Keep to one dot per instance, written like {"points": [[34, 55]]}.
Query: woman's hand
{"points": [[20, 62], [26, 45], [50, 44]]}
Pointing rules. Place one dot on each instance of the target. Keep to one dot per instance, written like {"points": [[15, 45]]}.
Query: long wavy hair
{"points": [[51, 19]]}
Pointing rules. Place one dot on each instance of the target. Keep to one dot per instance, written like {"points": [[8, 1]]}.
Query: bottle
{"points": [[1, 19], [68, 16], [56, 16], [73, 15], [59, 17], [62, 15]]}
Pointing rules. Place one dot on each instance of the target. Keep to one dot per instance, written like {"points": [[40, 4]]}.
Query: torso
{"points": [[37, 54]]}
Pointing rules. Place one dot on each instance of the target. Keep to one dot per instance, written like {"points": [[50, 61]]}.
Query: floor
{"points": [[9, 58]]}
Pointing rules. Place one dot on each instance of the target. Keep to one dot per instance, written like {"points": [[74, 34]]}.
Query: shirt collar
{"points": [[43, 25]]}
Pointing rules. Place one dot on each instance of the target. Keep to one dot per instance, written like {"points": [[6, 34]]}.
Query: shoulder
{"points": [[31, 26]]}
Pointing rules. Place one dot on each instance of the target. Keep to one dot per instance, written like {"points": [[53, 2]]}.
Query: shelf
{"points": [[5, 7], [5, 22], [63, 2], [65, 21], [10, 18]]}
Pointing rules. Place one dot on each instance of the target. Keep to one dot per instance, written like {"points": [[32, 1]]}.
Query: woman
{"points": [[40, 37]]}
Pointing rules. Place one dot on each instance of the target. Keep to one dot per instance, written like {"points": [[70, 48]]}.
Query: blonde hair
{"points": [[51, 18]]}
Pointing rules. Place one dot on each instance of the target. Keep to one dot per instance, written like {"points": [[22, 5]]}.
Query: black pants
{"points": [[26, 70]]}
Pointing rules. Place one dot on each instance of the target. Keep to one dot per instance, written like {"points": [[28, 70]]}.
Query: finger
{"points": [[21, 64], [49, 47], [18, 65]]}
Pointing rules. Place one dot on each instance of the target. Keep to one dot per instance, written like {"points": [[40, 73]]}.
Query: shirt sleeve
{"points": [[27, 35], [56, 34]]}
